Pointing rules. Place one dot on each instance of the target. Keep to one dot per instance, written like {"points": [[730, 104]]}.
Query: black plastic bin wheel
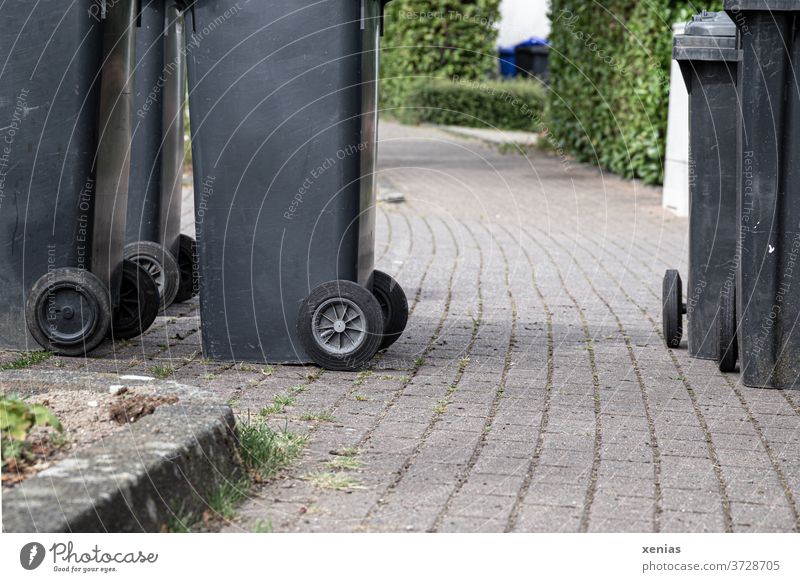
{"points": [[672, 308], [340, 325], [189, 285], [161, 266], [138, 303], [728, 342], [394, 306], [68, 311]]}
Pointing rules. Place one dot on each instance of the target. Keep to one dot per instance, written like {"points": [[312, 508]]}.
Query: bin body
{"points": [[49, 100], [708, 58], [157, 148], [769, 183], [533, 57], [508, 62], [283, 103]]}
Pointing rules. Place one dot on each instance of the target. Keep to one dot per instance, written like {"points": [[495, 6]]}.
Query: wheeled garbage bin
{"points": [[64, 142], [708, 58], [533, 58], [768, 289], [154, 239], [283, 98]]}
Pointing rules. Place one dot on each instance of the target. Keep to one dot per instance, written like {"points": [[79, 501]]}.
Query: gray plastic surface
{"points": [[157, 149], [710, 36], [768, 288], [711, 24], [713, 122], [283, 99], [54, 209]]}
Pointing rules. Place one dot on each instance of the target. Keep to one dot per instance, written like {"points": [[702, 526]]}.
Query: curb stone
{"points": [[138, 479]]}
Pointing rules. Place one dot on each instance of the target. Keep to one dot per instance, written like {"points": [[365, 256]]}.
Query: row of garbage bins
{"points": [[743, 294], [283, 107]]}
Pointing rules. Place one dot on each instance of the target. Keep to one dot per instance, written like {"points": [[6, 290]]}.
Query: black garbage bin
{"points": [[154, 239], [708, 58], [64, 135], [768, 290], [533, 58], [283, 97]]}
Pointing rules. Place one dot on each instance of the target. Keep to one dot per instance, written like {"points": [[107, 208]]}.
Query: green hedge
{"points": [[498, 104], [436, 39], [609, 70]]}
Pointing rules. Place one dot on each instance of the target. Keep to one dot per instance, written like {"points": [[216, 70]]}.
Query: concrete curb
{"points": [[163, 466], [495, 137]]}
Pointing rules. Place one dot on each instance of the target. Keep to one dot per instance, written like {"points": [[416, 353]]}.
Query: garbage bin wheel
{"points": [[728, 342], [189, 284], [672, 308], [161, 266], [394, 307], [340, 325], [68, 311], [139, 303]]}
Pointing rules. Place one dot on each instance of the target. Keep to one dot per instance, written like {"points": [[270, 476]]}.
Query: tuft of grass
{"points": [[162, 372], [318, 416], [419, 361], [335, 481], [266, 452], [181, 523], [279, 404], [268, 370], [263, 527], [441, 406], [228, 496], [26, 360], [346, 452], [361, 398], [345, 463], [362, 377]]}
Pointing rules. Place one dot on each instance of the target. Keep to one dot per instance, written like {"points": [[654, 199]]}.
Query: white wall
{"points": [[522, 19]]}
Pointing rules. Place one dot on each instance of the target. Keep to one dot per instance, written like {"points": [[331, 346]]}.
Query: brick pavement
{"points": [[532, 390]]}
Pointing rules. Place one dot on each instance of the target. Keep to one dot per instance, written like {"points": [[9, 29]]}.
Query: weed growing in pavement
{"points": [[162, 372], [228, 496], [361, 398], [362, 377], [279, 404], [335, 481], [345, 463], [266, 452], [318, 416], [262, 527], [26, 361]]}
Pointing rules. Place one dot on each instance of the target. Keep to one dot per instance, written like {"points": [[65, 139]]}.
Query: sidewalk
{"points": [[531, 391]]}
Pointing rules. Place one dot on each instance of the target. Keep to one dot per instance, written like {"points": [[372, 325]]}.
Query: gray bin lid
{"points": [[710, 36], [710, 24]]}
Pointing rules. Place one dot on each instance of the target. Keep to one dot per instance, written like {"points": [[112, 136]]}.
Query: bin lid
{"points": [[711, 24], [710, 36], [533, 41]]}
